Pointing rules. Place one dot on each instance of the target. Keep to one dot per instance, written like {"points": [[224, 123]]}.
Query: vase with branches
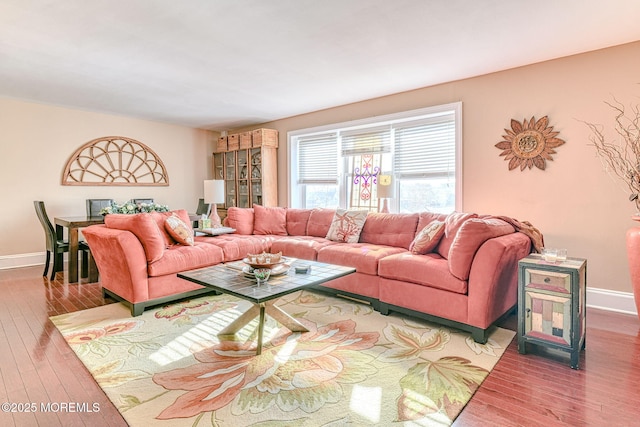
{"points": [[621, 156]]}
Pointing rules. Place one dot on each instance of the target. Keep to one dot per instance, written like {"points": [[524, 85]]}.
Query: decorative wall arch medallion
{"points": [[115, 160], [530, 143]]}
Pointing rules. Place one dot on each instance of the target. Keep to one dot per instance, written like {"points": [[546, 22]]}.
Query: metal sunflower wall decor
{"points": [[530, 143]]}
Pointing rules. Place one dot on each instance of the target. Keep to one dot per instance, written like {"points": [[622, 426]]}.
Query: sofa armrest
{"points": [[493, 281], [121, 261]]}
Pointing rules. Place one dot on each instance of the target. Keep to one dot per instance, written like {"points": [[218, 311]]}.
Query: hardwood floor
{"points": [[37, 366]]}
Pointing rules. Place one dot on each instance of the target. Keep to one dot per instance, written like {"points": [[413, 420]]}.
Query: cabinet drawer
{"points": [[548, 280], [245, 140], [222, 144], [233, 142]]}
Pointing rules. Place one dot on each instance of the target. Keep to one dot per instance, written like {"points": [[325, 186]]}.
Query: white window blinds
{"points": [[426, 148], [366, 141], [318, 159]]}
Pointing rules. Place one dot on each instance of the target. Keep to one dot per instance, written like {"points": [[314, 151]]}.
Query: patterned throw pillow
{"points": [[428, 238], [180, 231], [346, 226]]}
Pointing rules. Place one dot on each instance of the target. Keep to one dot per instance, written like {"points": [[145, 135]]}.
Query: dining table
{"points": [[73, 224]]}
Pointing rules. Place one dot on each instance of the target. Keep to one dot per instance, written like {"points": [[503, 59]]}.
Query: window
{"points": [[339, 165]]}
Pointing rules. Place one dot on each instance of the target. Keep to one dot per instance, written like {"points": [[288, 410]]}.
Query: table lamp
{"points": [[214, 194], [386, 190]]}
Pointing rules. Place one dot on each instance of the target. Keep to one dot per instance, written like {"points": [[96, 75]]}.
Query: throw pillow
{"points": [[161, 217], [270, 220], [180, 231], [346, 226], [428, 238]]}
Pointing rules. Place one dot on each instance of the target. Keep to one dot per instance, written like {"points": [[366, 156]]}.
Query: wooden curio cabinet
{"points": [[250, 170], [551, 304]]}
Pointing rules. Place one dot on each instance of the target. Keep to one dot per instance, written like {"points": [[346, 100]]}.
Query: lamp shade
{"points": [[214, 191], [386, 189]]}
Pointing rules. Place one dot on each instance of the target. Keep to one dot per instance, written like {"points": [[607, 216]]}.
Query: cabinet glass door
{"points": [[243, 179], [218, 165], [256, 176], [230, 178]]}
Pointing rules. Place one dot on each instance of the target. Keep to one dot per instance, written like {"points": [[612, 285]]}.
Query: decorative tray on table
{"points": [[277, 270], [264, 260]]}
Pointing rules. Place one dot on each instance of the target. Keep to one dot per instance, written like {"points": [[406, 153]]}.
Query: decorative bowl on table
{"points": [[263, 260]]}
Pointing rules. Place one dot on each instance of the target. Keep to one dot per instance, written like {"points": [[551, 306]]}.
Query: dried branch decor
{"points": [[621, 157], [115, 160]]}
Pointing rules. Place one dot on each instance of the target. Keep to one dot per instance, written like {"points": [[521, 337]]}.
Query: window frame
{"points": [[295, 197]]}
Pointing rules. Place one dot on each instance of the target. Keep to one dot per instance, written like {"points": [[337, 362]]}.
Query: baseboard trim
{"points": [[605, 299], [22, 260]]}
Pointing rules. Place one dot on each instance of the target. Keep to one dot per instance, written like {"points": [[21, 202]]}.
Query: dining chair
{"points": [[57, 246], [94, 206], [140, 201]]}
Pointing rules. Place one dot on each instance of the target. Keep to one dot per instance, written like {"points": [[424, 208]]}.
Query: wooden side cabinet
{"points": [[248, 164], [551, 305]]}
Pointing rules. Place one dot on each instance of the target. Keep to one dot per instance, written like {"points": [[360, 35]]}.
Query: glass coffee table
{"points": [[230, 279]]}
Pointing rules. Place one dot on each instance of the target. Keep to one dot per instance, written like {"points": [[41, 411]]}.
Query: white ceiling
{"points": [[223, 64]]}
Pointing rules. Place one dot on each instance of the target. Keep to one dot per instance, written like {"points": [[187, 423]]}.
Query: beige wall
{"points": [[36, 141], [573, 202]]}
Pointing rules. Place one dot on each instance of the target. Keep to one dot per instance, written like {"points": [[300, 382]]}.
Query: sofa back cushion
{"points": [[319, 222], [390, 229], [241, 219], [297, 220], [469, 237], [452, 223], [425, 218], [144, 228], [269, 220]]}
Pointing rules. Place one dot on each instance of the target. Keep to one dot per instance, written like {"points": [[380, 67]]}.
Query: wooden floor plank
{"points": [[536, 389]]}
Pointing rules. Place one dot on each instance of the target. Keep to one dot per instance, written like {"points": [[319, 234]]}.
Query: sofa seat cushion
{"points": [[237, 246], [390, 229], [304, 247], [427, 270], [180, 258], [363, 256]]}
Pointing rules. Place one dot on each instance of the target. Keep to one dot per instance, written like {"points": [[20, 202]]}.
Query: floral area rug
{"points": [[354, 367]]}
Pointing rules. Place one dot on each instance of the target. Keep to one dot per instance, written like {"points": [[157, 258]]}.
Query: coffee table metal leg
{"points": [[261, 310], [260, 329], [241, 321], [285, 319]]}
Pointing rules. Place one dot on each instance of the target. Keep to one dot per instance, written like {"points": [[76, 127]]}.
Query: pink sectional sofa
{"points": [[468, 281]]}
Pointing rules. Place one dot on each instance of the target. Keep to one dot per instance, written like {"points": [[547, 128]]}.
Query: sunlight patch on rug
{"points": [[355, 366]]}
